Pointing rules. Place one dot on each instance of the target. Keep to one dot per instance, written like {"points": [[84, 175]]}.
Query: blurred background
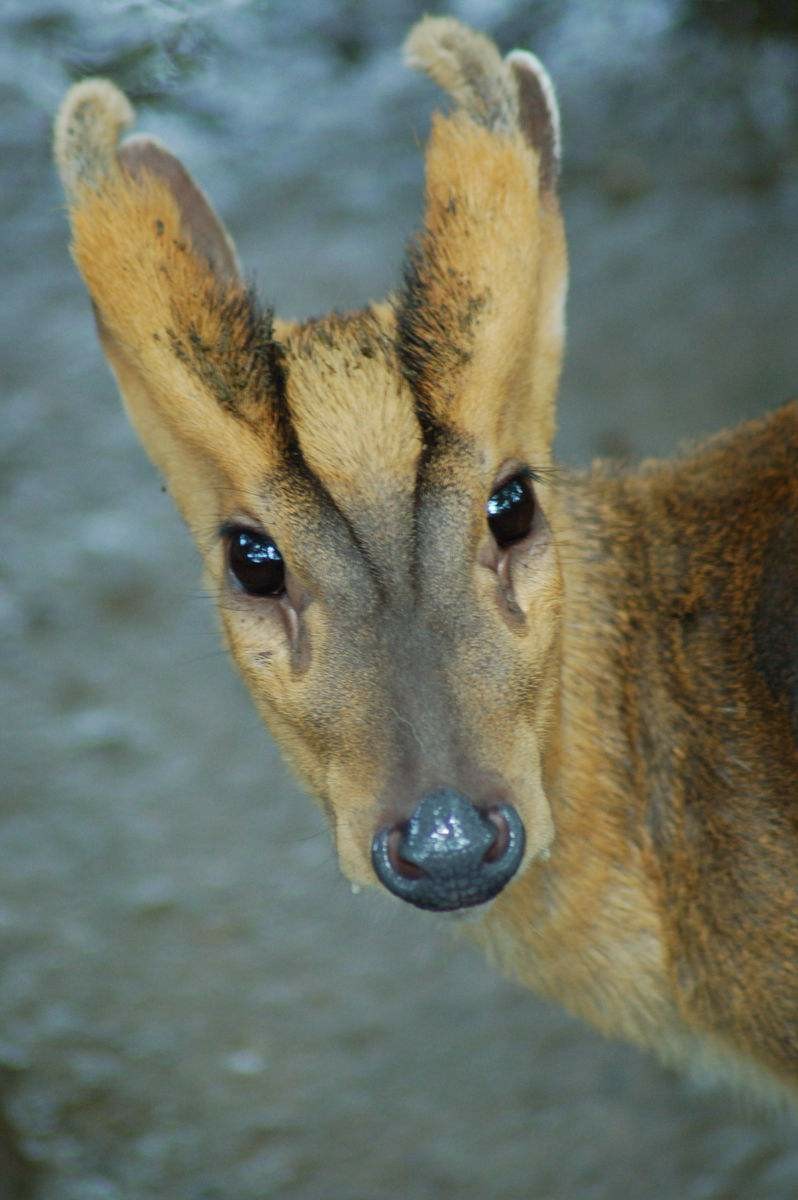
{"points": [[192, 1002]]}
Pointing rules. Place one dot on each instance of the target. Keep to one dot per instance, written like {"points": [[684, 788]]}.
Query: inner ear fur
{"points": [[481, 317], [194, 358]]}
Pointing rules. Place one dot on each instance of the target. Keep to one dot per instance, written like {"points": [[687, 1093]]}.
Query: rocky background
{"points": [[192, 1003]]}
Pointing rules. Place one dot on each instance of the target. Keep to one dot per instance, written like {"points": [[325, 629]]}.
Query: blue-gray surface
{"points": [[192, 1003]]}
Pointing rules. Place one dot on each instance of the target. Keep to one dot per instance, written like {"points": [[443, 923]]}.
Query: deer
{"points": [[561, 703]]}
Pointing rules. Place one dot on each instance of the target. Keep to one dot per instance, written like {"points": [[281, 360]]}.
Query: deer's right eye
{"points": [[256, 563]]}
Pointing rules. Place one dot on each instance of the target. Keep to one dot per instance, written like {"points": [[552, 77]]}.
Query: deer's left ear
{"points": [[481, 319]]}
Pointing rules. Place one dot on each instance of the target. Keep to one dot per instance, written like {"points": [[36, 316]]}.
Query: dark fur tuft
{"points": [[433, 341]]}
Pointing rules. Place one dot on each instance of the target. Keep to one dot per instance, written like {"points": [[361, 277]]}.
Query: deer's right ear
{"points": [[194, 359]]}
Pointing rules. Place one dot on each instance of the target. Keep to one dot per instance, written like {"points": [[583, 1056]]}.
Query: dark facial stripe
{"points": [[243, 369], [448, 448], [301, 469], [434, 337], [324, 498], [414, 349]]}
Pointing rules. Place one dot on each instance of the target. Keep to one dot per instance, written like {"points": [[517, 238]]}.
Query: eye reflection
{"points": [[255, 562]]}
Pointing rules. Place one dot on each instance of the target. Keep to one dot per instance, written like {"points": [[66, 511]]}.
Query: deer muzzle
{"points": [[449, 854]]}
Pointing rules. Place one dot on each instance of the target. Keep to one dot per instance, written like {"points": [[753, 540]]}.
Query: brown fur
{"points": [[627, 676]]}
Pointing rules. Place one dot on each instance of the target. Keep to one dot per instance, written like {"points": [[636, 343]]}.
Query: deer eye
{"points": [[256, 562], [511, 510]]}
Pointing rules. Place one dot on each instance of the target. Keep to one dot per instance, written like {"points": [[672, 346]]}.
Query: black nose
{"points": [[449, 855]]}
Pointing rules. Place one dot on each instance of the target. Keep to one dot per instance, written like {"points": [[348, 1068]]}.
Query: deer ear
{"points": [[538, 113], [481, 318], [193, 357], [516, 94], [87, 131], [141, 156]]}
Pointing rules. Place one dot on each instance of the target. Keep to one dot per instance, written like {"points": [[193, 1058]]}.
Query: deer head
{"points": [[368, 490]]}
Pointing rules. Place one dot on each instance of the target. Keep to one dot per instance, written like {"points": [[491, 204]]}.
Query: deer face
{"points": [[367, 491], [391, 602]]}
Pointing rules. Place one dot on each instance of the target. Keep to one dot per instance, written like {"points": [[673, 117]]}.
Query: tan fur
{"points": [[628, 675], [477, 182], [467, 65], [87, 131]]}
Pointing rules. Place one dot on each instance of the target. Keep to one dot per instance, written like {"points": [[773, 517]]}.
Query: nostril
{"points": [[501, 841], [400, 865]]}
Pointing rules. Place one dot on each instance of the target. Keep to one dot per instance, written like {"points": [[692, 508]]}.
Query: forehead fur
{"points": [[352, 411]]}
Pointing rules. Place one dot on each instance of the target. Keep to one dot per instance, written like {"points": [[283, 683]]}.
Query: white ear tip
{"points": [[525, 60], [87, 129]]}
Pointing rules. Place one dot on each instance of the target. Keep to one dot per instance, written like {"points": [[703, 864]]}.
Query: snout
{"points": [[449, 854]]}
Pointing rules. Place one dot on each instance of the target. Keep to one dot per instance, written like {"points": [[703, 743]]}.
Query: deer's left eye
{"points": [[511, 510]]}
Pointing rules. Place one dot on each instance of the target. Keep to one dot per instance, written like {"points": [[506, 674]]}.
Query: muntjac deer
{"points": [[569, 702]]}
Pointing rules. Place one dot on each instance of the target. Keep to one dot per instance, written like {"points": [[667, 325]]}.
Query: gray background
{"points": [[192, 1003]]}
